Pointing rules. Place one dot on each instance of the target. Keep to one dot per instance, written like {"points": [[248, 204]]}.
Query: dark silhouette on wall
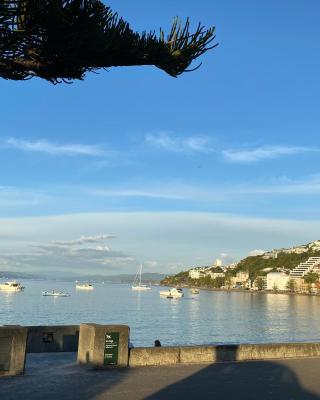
{"points": [[60, 40]]}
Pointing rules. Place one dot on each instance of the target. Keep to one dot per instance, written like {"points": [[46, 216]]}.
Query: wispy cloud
{"points": [[151, 193], [11, 197], [264, 153], [45, 146], [173, 143], [83, 239], [174, 240], [283, 186]]}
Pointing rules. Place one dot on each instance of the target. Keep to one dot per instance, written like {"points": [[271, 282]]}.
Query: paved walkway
{"points": [[57, 377]]}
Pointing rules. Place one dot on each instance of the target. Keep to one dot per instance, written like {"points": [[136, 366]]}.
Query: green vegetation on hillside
{"points": [[183, 279], [255, 265]]}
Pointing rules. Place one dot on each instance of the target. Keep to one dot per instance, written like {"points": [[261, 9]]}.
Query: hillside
{"points": [[256, 266]]}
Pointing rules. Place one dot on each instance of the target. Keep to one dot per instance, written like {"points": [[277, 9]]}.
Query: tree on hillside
{"points": [[311, 277], [291, 285], [61, 40], [260, 283]]}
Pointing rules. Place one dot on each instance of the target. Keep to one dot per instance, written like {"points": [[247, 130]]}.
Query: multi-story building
{"points": [[230, 266], [241, 279], [215, 275], [277, 281], [256, 284], [217, 263], [305, 267], [198, 272]]}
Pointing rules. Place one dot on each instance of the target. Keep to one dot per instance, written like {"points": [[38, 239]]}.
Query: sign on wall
{"points": [[111, 348]]}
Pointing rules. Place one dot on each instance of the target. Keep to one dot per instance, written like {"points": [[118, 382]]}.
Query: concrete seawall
{"points": [[43, 339], [46, 339], [145, 356]]}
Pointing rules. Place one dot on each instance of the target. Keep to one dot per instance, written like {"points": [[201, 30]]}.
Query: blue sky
{"points": [[238, 138]]}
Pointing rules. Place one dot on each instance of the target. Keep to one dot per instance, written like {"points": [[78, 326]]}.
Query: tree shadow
{"points": [[247, 380], [57, 376]]}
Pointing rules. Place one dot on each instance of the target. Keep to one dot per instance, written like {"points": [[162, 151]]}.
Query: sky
{"points": [[132, 165]]}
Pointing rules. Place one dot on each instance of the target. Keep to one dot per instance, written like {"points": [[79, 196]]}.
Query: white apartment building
{"points": [[305, 267], [264, 283], [230, 266], [277, 281], [215, 275], [198, 272], [217, 263], [241, 279]]}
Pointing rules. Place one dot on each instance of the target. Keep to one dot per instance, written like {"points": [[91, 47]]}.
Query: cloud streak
{"points": [[264, 153], [56, 149], [172, 143], [174, 191], [183, 238], [82, 240]]}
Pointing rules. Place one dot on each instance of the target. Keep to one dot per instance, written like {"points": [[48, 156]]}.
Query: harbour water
{"points": [[208, 318]]}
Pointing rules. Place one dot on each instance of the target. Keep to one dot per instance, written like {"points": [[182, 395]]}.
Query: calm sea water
{"points": [[210, 317]]}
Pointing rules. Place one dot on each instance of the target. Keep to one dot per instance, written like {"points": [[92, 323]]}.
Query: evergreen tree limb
{"points": [[61, 40]]}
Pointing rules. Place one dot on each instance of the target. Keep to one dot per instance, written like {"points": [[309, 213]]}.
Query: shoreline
{"points": [[208, 289]]}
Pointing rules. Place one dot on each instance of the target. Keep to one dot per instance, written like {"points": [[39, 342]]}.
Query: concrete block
{"points": [[12, 350], [103, 346], [197, 354], [47, 339], [144, 356]]}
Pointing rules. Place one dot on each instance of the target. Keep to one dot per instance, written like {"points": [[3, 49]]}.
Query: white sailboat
{"points": [[84, 286], [137, 285]]}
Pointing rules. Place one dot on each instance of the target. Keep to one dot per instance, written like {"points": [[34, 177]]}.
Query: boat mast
{"points": [[140, 274]]}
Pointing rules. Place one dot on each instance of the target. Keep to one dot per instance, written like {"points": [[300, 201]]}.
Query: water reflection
{"points": [[210, 317]]}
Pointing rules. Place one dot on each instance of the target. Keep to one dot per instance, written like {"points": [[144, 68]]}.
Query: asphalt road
{"points": [[57, 376]]}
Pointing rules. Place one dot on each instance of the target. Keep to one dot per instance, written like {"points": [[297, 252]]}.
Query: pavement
{"points": [[57, 376]]}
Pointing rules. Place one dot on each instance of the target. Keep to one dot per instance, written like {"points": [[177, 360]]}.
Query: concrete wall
{"points": [[45, 339], [95, 346], [211, 354], [12, 350]]}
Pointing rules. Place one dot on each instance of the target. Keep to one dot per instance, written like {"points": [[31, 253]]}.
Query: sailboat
{"points": [[137, 285]]}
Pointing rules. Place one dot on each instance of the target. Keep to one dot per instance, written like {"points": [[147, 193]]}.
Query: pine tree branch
{"points": [[61, 40]]}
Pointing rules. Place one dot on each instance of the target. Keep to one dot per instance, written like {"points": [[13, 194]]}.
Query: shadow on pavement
{"points": [[52, 376], [262, 380], [56, 376]]}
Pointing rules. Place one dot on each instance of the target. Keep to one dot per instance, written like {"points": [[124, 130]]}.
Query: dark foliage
{"points": [[61, 40]]}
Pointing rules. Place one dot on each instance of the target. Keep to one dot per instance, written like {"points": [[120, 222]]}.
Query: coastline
{"points": [[209, 289]]}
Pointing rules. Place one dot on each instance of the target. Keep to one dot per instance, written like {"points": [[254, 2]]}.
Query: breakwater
{"points": [[221, 353], [99, 341]]}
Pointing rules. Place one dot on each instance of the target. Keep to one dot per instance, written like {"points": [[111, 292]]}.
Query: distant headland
{"points": [[293, 270]]}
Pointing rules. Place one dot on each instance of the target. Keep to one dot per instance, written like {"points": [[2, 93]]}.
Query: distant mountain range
{"points": [[15, 275], [149, 277]]}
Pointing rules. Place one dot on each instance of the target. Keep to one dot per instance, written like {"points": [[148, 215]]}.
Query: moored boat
{"points": [[11, 286], [84, 286], [137, 285], [54, 293], [171, 293], [194, 291]]}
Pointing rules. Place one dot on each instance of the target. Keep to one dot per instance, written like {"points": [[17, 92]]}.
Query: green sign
{"points": [[111, 348]]}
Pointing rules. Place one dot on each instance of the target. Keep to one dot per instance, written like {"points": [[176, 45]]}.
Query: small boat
{"points": [[84, 286], [12, 286], [171, 293], [194, 291], [137, 285], [53, 293]]}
